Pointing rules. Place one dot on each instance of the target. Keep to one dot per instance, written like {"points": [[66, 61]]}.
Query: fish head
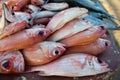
{"points": [[11, 62], [56, 49], [38, 33], [97, 65]]}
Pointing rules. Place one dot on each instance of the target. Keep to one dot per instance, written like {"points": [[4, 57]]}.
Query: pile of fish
{"points": [[51, 38]]}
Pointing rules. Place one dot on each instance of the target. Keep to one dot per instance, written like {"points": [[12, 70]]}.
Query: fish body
{"points": [[13, 28], [71, 28], [24, 39], [85, 37], [43, 52], [37, 2], [72, 65], [94, 48], [11, 62], [55, 6], [60, 19]]}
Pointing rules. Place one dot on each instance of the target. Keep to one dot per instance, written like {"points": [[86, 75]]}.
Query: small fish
{"points": [[12, 16], [55, 6], [61, 18], [37, 2], [11, 62], [43, 52], [72, 65], [24, 39], [94, 48], [43, 21], [71, 28], [13, 28], [33, 8], [85, 37], [20, 4], [3, 19]]}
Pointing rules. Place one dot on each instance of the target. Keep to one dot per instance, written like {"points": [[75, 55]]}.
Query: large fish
{"points": [[11, 62], [43, 52], [94, 48], [72, 65], [24, 39], [60, 19], [73, 27], [85, 37]]}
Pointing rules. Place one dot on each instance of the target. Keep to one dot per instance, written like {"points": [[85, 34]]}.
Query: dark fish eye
{"points": [[56, 52], [41, 33], [6, 64], [106, 44], [100, 61], [102, 27]]}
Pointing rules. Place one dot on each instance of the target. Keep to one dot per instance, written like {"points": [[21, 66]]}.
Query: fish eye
{"points": [[56, 52], [41, 33], [6, 65], [100, 61]]}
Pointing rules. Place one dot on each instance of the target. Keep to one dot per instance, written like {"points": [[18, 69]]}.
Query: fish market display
{"points": [[52, 38]]}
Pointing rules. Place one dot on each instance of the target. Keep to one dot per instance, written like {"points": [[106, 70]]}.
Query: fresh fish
{"points": [[33, 8], [24, 39], [85, 37], [60, 19], [13, 28], [73, 27], [20, 4], [43, 21], [43, 14], [72, 65], [12, 16], [43, 52], [55, 6], [94, 48], [3, 20], [97, 21], [37, 2], [11, 62]]}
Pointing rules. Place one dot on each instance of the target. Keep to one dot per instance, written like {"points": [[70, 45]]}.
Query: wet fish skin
{"points": [[71, 28], [94, 48], [72, 65], [43, 53], [60, 19], [85, 37], [24, 39]]}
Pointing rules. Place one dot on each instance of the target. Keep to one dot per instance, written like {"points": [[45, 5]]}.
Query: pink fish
{"points": [[72, 65], [85, 37], [73, 27], [61, 18], [43, 52], [11, 62], [94, 48]]}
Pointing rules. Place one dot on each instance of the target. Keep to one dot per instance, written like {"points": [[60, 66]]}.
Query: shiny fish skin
{"points": [[13, 28], [71, 28], [72, 65], [11, 62], [55, 6], [24, 39], [43, 52], [94, 48], [60, 19], [85, 37]]}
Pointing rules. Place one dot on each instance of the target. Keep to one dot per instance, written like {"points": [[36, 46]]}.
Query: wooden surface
{"points": [[113, 7]]}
